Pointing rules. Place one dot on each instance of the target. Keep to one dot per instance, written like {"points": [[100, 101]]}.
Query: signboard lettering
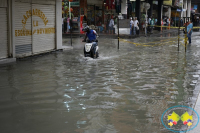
{"points": [[27, 32]]}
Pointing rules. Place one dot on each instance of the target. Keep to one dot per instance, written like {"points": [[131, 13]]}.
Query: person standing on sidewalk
{"points": [[68, 24], [152, 25], [131, 26], [189, 31], [136, 23], [111, 25]]}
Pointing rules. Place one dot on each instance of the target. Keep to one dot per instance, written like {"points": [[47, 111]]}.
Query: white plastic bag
{"points": [[137, 28]]}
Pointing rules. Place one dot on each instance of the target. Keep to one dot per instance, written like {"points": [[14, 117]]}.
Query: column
{"points": [[137, 11], [151, 8], [13, 28], [58, 24], [160, 3], [184, 13], [129, 9], [169, 11], [189, 9], [10, 29], [83, 6], [123, 7]]}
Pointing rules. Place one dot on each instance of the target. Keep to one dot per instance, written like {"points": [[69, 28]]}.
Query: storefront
{"points": [[71, 8], [34, 26], [29, 27], [3, 29]]}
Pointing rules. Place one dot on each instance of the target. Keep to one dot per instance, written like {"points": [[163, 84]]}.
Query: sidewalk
{"points": [[123, 33], [7, 60]]}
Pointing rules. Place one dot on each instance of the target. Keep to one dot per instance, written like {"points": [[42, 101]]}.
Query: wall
{"points": [[124, 7], [3, 3]]}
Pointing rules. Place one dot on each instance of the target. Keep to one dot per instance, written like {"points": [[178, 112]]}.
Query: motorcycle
{"points": [[91, 49]]}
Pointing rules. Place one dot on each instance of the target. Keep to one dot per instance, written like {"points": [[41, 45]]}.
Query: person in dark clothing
{"points": [[84, 19], [107, 24], [181, 22], [65, 25]]}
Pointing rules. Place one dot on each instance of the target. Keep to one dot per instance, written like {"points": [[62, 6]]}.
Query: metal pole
{"points": [[185, 36], [118, 29], [70, 21], [178, 33], [146, 24]]}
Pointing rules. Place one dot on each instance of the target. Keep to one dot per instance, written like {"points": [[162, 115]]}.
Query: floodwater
{"points": [[123, 91]]}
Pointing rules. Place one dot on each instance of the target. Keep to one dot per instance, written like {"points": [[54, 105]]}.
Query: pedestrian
{"points": [[65, 25], [84, 19], [131, 26], [189, 31], [111, 25], [181, 22], [149, 21], [68, 24], [136, 25], [107, 24], [156, 21], [152, 25]]}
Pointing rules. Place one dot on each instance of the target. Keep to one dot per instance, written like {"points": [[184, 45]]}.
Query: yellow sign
{"points": [[35, 12], [27, 32]]}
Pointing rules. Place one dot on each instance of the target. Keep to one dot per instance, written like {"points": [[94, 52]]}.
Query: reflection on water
{"points": [[122, 91]]}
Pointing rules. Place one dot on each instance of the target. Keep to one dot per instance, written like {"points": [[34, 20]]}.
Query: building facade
{"points": [[30, 27]]}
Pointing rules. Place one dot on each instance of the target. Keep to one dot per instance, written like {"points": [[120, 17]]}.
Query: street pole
{"points": [[118, 21], [118, 29], [69, 10], [185, 36], [146, 24], [178, 32], [70, 21]]}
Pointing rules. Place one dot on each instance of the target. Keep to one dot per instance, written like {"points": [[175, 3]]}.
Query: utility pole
{"points": [[118, 21]]}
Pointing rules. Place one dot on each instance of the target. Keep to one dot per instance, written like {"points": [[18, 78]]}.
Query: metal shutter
{"points": [[4, 33], [23, 31], [43, 27]]}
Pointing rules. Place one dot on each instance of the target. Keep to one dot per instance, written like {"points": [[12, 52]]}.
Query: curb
{"points": [[7, 61]]}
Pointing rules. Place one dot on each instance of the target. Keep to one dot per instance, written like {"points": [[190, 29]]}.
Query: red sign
{"points": [[81, 24]]}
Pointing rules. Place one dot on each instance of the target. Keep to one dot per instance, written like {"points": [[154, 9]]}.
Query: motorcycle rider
{"points": [[91, 35]]}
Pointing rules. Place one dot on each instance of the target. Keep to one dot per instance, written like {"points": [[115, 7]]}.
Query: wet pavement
{"points": [[123, 91]]}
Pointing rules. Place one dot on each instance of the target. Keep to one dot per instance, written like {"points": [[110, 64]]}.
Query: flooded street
{"points": [[123, 91]]}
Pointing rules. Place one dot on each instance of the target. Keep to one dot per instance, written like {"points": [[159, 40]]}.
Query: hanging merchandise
{"points": [[110, 4], [71, 10], [66, 7]]}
